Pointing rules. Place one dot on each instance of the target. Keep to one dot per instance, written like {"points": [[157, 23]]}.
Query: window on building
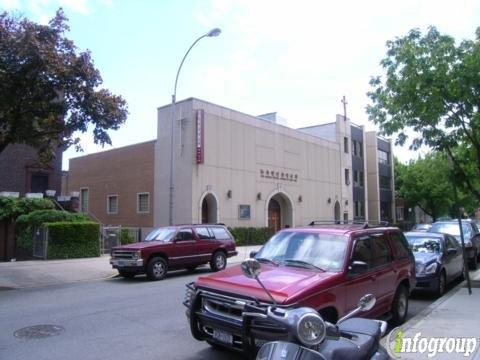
{"points": [[383, 157], [358, 178], [84, 200], [345, 144], [399, 213], [357, 148], [143, 202], [112, 204], [347, 177], [384, 182], [359, 209]]}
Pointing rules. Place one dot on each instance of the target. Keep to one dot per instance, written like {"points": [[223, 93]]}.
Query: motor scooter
{"points": [[312, 338]]}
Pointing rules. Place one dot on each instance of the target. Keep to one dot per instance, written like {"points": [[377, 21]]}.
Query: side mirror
{"points": [[358, 267], [251, 268], [253, 253], [367, 302], [452, 251]]}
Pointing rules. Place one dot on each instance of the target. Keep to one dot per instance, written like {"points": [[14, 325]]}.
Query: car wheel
{"points": [[400, 306], [126, 274], [156, 269], [442, 283], [219, 261]]}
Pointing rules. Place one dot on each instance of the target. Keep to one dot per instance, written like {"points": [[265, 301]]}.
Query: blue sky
{"points": [[297, 58]]}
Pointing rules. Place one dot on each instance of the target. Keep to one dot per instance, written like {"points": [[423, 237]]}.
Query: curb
{"points": [[430, 308]]}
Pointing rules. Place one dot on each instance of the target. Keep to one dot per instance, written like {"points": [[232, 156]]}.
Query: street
{"points": [[111, 319]]}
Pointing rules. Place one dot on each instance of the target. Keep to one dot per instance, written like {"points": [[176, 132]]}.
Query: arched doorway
{"points": [[337, 212], [274, 215], [279, 212], [209, 209]]}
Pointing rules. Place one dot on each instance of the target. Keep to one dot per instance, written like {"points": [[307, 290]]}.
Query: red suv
{"points": [[175, 247], [326, 268]]}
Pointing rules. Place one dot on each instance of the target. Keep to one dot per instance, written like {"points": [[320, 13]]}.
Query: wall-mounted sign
{"points": [[200, 136], [244, 212]]}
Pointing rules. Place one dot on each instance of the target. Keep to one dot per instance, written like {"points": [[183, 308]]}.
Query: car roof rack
{"points": [[360, 224]]}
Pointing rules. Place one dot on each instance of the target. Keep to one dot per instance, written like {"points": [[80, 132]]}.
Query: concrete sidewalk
{"points": [[37, 273], [446, 321]]}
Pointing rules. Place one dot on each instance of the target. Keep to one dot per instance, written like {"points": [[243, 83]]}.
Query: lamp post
{"points": [[211, 33]]}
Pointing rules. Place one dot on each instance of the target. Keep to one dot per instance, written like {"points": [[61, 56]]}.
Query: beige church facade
{"points": [[243, 170]]}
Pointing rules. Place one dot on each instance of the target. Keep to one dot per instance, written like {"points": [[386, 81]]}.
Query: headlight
{"points": [[137, 255], [311, 329], [430, 269]]}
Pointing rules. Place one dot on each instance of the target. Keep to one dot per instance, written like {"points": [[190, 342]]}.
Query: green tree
{"points": [[426, 183], [432, 86], [48, 91]]}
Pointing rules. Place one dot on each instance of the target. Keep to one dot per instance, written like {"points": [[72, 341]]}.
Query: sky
{"points": [[297, 58]]}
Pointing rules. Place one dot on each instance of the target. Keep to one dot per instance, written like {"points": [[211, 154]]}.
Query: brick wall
{"points": [[123, 172], [18, 162]]}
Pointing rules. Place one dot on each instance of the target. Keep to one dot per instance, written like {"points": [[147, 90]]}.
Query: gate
{"points": [[110, 238], [40, 243]]}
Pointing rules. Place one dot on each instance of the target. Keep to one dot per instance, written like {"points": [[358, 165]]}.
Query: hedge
{"points": [[126, 236], [73, 240], [251, 235], [11, 208], [26, 224]]}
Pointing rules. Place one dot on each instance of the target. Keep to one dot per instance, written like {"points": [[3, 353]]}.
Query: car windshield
{"points": [[302, 249], [452, 229], [424, 244], [161, 234]]}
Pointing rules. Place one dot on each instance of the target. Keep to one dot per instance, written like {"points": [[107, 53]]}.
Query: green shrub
{"points": [[73, 239], [251, 235], [26, 224], [126, 236], [11, 208]]}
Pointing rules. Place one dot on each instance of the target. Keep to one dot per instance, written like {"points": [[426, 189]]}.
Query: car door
{"points": [[206, 243], [185, 248], [383, 265], [456, 260], [360, 283]]}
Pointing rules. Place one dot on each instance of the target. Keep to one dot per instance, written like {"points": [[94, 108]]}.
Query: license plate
{"points": [[119, 262], [223, 337]]}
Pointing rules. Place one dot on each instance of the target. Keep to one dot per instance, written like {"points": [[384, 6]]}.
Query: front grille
{"points": [[123, 254], [229, 310]]}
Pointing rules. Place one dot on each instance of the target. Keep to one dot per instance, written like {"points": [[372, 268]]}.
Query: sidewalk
{"points": [[455, 315], [37, 273]]}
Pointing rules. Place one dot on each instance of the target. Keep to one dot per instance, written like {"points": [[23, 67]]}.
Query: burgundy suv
{"points": [[175, 247], [326, 268]]}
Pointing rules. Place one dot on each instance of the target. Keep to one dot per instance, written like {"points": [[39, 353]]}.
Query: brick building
{"points": [[115, 186], [21, 172]]}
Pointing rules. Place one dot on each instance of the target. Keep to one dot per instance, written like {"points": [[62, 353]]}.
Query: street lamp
{"points": [[211, 33]]}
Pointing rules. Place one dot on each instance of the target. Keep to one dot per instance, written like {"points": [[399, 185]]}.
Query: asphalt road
{"points": [[110, 319]]}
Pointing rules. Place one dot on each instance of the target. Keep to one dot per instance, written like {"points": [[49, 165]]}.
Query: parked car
{"points": [[175, 247], [471, 237], [421, 227], [328, 268], [438, 260]]}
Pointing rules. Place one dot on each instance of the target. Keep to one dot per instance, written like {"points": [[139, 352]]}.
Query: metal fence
{"points": [[110, 236], [40, 243]]}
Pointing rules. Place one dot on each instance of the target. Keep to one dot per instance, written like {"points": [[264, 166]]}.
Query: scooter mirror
{"points": [[367, 302], [251, 268]]}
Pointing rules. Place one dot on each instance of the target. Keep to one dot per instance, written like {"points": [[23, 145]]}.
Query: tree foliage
{"points": [[49, 90], [432, 86], [12, 208], [427, 183]]}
